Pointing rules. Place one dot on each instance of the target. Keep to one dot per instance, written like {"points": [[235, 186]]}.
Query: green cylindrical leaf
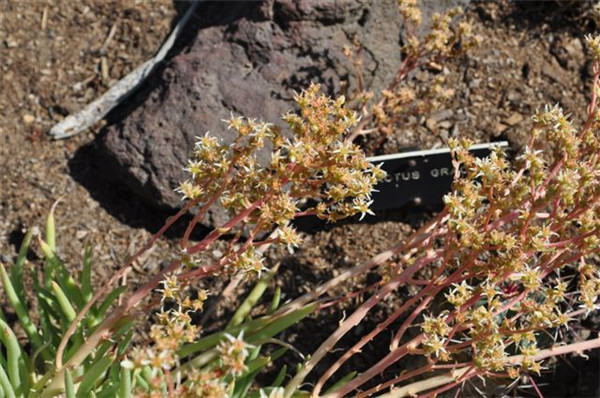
{"points": [[85, 279], [93, 375], [16, 274], [49, 312], [256, 330], [125, 383], [280, 377], [69, 387], [250, 301], [46, 328], [110, 298], [21, 311], [147, 373], [344, 380], [56, 271], [283, 322], [5, 383], [27, 369], [124, 344], [13, 356], [255, 365], [63, 302], [50, 235], [141, 382], [212, 340], [36, 389], [276, 300], [69, 286], [50, 268]]}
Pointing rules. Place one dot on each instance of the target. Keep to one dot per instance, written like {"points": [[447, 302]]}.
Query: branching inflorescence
{"points": [[447, 38], [311, 163], [514, 255], [511, 258]]}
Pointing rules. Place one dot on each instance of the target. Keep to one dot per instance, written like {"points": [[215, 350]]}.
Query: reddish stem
{"points": [[104, 289]]}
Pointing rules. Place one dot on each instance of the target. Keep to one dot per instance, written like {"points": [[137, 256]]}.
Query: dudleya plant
{"points": [[446, 36], [311, 162], [514, 258], [512, 255]]}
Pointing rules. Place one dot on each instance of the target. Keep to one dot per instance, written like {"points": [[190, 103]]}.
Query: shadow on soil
{"points": [[118, 200], [112, 194]]}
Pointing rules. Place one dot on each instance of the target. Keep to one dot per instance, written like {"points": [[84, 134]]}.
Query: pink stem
{"points": [[361, 312], [103, 290]]}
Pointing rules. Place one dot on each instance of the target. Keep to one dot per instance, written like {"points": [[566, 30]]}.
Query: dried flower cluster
{"points": [[312, 163], [512, 259], [510, 262], [521, 239], [172, 329], [446, 38]]}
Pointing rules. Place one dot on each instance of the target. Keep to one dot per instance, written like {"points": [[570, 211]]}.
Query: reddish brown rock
{"points": [[246, 58]]}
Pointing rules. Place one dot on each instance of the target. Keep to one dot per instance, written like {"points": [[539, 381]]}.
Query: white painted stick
{"points": [[97, 109]]}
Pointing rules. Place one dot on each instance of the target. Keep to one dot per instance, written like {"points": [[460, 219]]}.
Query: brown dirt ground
{"points": [[51, 55]]}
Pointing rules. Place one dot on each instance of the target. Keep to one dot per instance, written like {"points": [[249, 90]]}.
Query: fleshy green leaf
{"points": [[125, 383], [69, 387], [13, 357], [108, 301], [283, 322], [63, 302], [280, 376], [341, 382], [16, 274], [276, 300], [85, 279], [21, 310], [50, 235], [93, 376], [255, 295]]}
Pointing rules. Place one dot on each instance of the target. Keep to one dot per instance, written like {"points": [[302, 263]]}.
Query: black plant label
{"points": [[420, 178]]}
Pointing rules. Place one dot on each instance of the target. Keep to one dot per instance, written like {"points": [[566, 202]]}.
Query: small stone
{"points": [[446, 124], [10, 42], [460, 116], [28, 119], [434, 67], [575, 48], [514, 97], [474, 83], [80, 234], [455, 131], [431, 124], [552, 70], [514, 119], [444, 135], [499, 128], [421, 76], [568, 55], [442, 115]]}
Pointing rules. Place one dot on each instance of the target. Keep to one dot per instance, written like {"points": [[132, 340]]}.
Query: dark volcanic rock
{"points": [[246, 58]]}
